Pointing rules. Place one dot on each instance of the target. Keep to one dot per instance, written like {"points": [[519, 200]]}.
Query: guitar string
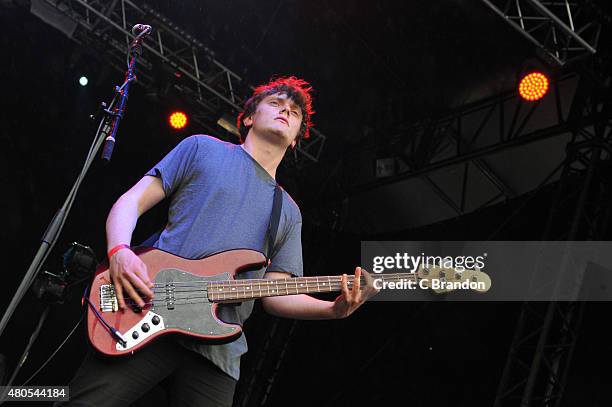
{"points": [[314, 280], [237, 295], [311, 282], [267, 285], [289, 284], [301, 281], [227, 295]]}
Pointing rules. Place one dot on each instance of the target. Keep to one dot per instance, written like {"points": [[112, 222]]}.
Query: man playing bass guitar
{"points": [[221, 196]]}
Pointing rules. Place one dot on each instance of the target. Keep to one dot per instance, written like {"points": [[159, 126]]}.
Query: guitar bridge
{"points": [[108, 299]]}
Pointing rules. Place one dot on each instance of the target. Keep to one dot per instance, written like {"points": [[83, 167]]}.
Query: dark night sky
{"points": [[374, 65]]}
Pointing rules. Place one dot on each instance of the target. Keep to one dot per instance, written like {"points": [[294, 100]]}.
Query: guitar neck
{"points": [[241, 290]]}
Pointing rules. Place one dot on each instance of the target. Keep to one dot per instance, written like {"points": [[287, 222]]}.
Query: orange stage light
{"points": [[178, 120], [533, 86]]}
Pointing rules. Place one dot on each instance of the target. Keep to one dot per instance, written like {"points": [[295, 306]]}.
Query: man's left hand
{"points": [[347, 302]]}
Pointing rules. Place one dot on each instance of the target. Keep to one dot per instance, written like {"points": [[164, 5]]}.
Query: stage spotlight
{"points": [[178, 120], [533, 86], [83, 80]]}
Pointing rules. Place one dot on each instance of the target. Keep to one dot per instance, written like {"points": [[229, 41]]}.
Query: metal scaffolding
{"points": [[172, 57], [537, 367], [474, 132], [565, 30]]}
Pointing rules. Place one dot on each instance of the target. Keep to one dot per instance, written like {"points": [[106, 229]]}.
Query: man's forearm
{"points": [[300, 306], [121, 222]]}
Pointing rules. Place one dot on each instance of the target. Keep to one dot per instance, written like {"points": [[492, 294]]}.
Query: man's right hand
{"points": [[128, 273]]}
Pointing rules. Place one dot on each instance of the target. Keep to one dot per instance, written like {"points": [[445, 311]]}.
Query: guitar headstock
{"points": [[447, 279]]}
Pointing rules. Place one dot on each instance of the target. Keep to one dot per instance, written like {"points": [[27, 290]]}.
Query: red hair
{"points": [[296, 89]]}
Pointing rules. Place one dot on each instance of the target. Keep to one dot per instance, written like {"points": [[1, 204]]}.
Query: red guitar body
{"points": [[181, 302]]}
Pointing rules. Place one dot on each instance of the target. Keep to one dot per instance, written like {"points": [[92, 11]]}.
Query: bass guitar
{"points": [[188, 292]]}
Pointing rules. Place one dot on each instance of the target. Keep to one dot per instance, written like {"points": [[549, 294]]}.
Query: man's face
{"points": [[277, 114]]}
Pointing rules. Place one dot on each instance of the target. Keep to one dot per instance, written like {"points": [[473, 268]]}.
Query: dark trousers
{"points": [[195, 381]]}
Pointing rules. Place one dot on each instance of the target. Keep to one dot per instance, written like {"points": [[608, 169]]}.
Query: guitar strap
{"points": [[277, 207]]}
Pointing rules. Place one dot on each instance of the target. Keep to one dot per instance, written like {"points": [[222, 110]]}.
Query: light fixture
{"points": [[533, 86], [178, 120]]}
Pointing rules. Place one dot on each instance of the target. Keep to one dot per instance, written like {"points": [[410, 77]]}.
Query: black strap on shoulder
{"points": [[277, 207]]}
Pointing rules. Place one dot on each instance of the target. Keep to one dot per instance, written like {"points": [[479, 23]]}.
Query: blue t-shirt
{"points": [[221, 199]]}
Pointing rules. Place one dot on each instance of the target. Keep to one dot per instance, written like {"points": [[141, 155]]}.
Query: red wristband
{"points": [[116, 249]]}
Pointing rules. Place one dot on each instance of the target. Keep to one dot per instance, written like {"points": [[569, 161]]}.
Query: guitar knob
{"points": [[135, 335], [155, 320], [145, 327]]}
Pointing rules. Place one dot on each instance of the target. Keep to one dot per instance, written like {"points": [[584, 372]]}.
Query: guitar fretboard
{"points": [[240, 290]]}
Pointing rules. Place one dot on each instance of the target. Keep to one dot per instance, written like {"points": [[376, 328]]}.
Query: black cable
{"points": [[109, 327], [54, 352]]}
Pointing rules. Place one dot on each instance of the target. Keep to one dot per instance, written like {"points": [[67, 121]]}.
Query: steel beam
{"points": [[206, 84], [537, 367], [444, 142], [565, 30]]}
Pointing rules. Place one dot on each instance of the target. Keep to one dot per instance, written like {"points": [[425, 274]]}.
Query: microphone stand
{"points": [[105, 134], [117, 114]]}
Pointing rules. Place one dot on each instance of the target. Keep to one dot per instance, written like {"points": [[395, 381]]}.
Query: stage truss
{"points": [[171, 57]]}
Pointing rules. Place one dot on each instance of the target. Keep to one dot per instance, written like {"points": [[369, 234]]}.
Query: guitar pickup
{"points": [[170, 299]]}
